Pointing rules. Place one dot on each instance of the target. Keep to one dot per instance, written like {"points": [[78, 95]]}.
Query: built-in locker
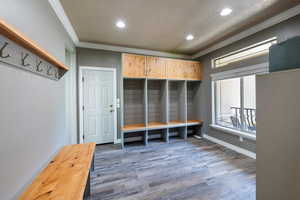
{"points": [[193, 102], [157, 103], [177, 113], [134, 104]]}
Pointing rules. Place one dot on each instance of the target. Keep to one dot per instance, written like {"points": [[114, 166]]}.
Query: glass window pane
{"points": [[258, 49], [228, 103], [250, 103]]}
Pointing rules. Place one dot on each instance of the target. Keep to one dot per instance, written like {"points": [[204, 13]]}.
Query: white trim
{"points": [[70, 99], [114, 70], [234, 132], [238, 53], [230, 146], [258, 69], [131, 50], [272, 39], [254, 29], [213, 105], [57, 7], [62, 16], [60, 12]]}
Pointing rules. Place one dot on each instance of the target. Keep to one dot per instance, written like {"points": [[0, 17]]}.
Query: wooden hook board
{"points": [[19, 51]]}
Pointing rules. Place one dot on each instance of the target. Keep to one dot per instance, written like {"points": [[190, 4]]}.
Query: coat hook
{"points": [[38, 69], [57, 74], [23, 60], [1, 51], [49, 71]]}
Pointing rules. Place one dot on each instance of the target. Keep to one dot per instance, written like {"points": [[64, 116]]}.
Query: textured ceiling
{"points": [[163, 24]]}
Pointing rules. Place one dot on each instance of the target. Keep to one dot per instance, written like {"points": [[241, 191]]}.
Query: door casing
{"points": [[113, 69]]}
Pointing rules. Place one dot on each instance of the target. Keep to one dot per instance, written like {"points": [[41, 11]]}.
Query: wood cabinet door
{"points": [[175, 69], [193, 70], [156, 67], [134, 66]]}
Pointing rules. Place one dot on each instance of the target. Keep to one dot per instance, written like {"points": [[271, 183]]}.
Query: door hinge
{"points": [[83, 137], [82, 107], [83, 79]]}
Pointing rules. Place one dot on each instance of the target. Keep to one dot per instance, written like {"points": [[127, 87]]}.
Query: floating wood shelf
{"points": [[133, 127], [157, 125], [194, 122], [17, 37], [176, 123]]}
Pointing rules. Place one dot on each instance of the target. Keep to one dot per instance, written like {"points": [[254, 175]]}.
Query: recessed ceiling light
{"points": [[120, 24], [226, 12], [189, 37]]}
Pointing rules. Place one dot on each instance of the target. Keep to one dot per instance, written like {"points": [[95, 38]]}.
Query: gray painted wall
{"points": [[101, 58], [283, 31], [32, 108], [278, 138]]}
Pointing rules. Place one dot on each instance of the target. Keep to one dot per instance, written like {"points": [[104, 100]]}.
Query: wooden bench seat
{"points": [[67, 176]]}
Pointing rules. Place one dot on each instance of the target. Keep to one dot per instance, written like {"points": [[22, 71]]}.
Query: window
{"points": [[258, 49], [235, 103], [234, 91]]}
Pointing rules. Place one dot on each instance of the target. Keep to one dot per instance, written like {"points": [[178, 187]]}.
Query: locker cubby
{"points": [[158, 135], [157, 103], [193, 130], [177, 133], [134, 104], [177, 102], [193, 102], [135, 138]]}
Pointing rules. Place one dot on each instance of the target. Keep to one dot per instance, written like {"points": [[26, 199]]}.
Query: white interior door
{"points": [[99, 112]]}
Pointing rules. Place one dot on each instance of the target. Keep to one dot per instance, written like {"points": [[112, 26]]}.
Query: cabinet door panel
{"points": [[156, 67], [175, 69], [134, 66], [193, 70]]}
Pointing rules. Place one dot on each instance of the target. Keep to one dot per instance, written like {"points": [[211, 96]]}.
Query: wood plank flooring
{"points": [[181, 170]]}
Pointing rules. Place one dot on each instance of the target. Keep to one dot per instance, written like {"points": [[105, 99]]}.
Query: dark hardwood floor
{"points": [[181, 170]]}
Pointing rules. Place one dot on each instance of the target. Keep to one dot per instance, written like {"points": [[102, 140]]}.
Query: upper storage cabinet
{"points": [[175, 69], [134, 66], [193, 71], [183, 69], [156, 67], [138, 66]]}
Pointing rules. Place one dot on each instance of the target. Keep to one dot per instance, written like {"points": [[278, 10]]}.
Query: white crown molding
{"points": [[57, 7], [60, 12], [230, 146], [131, 50], [259, 27]]}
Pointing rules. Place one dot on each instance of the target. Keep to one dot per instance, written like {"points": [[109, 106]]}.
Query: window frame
{"points": [[259, 69], [239, 53]]}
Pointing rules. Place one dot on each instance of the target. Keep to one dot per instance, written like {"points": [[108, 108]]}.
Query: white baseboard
{"points": [[118, 141], [230, 146]]}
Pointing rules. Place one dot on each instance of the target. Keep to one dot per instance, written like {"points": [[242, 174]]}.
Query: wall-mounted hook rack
{"points": [[21, 52]]}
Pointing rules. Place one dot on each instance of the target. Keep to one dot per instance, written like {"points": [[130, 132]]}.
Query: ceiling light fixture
{"points": [[226, 12], [189, 37], [120, 24]]}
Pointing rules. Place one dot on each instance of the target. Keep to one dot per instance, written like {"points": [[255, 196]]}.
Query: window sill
{"points": [[234, 132]]}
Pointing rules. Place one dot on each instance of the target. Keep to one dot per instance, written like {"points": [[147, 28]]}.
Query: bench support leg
{"points": [[93, 163], [87, 191]]}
